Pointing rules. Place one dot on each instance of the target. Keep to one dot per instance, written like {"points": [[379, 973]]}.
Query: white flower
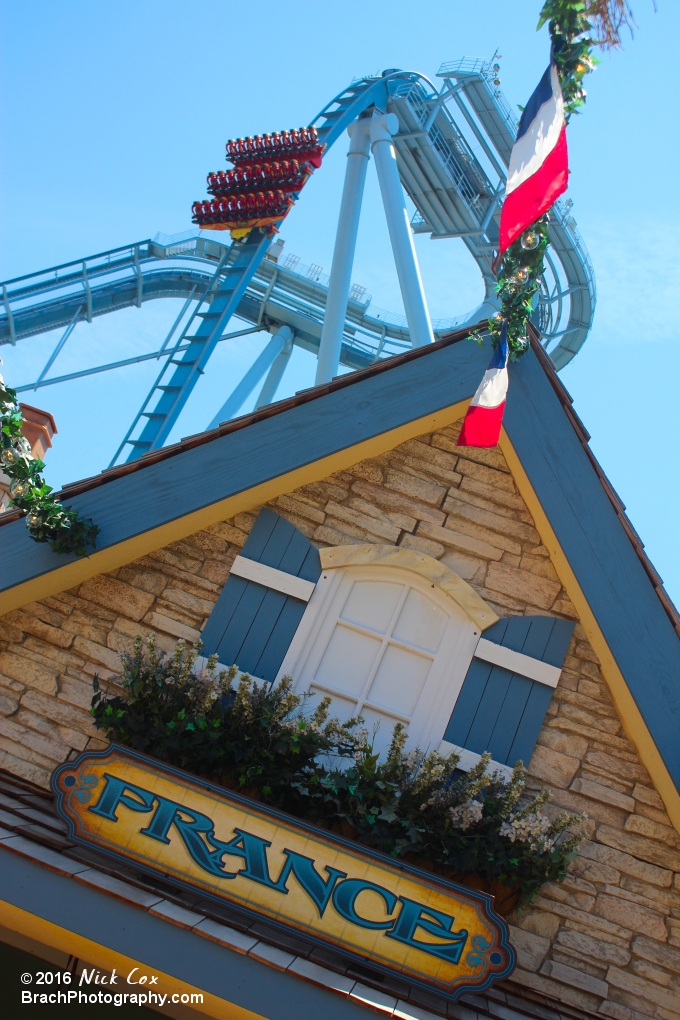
{"points": [[532, 828], [467, 814]]}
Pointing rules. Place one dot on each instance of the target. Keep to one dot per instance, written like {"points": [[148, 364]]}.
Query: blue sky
{"points": [[114, 112]]}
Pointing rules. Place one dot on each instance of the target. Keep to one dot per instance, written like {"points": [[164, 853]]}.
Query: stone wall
{"points": [[606, 940]]}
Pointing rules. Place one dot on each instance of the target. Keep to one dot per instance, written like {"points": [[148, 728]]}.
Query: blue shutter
{"points": [[251, 625], [500, 711]]}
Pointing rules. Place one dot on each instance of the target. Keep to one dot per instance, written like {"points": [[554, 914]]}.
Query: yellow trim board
{"points": [[629, 714], [47, 933], [64, 577]]}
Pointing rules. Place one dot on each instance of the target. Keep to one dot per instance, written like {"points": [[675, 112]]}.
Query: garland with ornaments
{"points": [[46, 519], [576, 27]]}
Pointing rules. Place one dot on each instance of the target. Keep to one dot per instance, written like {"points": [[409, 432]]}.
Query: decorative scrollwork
{"points": [[478, 958], [82, 786]]}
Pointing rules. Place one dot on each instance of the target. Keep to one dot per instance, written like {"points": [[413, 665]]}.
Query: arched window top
{"points": [[481, 614]]}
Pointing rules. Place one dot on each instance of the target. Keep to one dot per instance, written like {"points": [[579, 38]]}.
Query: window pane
{"points": [[347, 661], [399, 680], [372, 603], [385, 726], [343, 708], [421, 622]]}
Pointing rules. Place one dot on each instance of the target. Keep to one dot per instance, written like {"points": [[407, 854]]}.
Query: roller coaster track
{"points": [[457, 191]]}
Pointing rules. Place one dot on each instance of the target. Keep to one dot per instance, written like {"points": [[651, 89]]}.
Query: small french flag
{"points": [[538, 173], [484, 416]]}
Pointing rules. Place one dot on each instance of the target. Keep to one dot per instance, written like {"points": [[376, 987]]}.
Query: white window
{"points": [[387, 644]]}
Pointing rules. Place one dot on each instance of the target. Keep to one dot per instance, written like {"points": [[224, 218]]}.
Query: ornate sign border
{"points": [[148, 794]]}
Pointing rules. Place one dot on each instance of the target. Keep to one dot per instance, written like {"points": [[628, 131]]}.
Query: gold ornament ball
{"points": [[530, 240], [520, 277], [33, 519]]}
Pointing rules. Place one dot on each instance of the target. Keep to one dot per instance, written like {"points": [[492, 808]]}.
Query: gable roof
{"points": [[180, 489]]}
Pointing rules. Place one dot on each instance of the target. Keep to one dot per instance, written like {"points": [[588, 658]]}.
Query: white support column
{"points": [[343, 254], [279, 365], [240, 394], [383, 126]]}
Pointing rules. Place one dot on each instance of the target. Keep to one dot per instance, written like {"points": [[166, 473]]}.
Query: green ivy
{"points": [[46, 519], [259, 739]]}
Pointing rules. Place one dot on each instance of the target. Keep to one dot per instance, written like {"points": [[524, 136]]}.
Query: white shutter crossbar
{"points": [[270, 577], [516, 662], [468, 759]]}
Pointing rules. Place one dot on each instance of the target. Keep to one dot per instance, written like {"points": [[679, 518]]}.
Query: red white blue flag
{"points": [[484, 417], [538, 173]]}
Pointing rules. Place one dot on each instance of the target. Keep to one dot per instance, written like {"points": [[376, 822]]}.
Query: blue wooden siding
{"points": [[252, 626], [500, 711]]}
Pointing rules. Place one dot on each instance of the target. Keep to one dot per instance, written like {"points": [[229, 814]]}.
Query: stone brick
{"points": [[192, 603], [397, 501], [159, 622], [388, 517], [567, 743], [468, 567], [28, 672], [7, 705], [57, 711], [520, 584], [371, 525], [423, 469], [47, 747], [641, 847], [648, 796], [493, 478], [653, 830], [576, 978], [646, 990], [537, 922], [416, 488], [618, 1012], [151, 581], [32, 625], [531, 949], [329, 535], [554, 768], [97, 653], [368, 470], [424, 545], [75, 692], [595, 949], [556, 990], [631, 915], [10, 634], [492, 521], [493, 538], [25, 770], [650, 950], [456, 540], [498, 495], [593, 871], [116, 596], [300, 506], [93, 629], [603, 793], [593, 923], [626, 863]]}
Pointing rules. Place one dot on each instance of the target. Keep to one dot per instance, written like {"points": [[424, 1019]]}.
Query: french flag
{"points": [[484, 417], [538, 173]]}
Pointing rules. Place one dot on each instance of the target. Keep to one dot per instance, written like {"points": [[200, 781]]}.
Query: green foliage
{"points": [[46, 519], [225, 727], [258, 738]]}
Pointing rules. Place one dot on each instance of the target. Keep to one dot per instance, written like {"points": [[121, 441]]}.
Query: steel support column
{"points": [[383, 126], [279, 365], [343, 254], [240, 394]]}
